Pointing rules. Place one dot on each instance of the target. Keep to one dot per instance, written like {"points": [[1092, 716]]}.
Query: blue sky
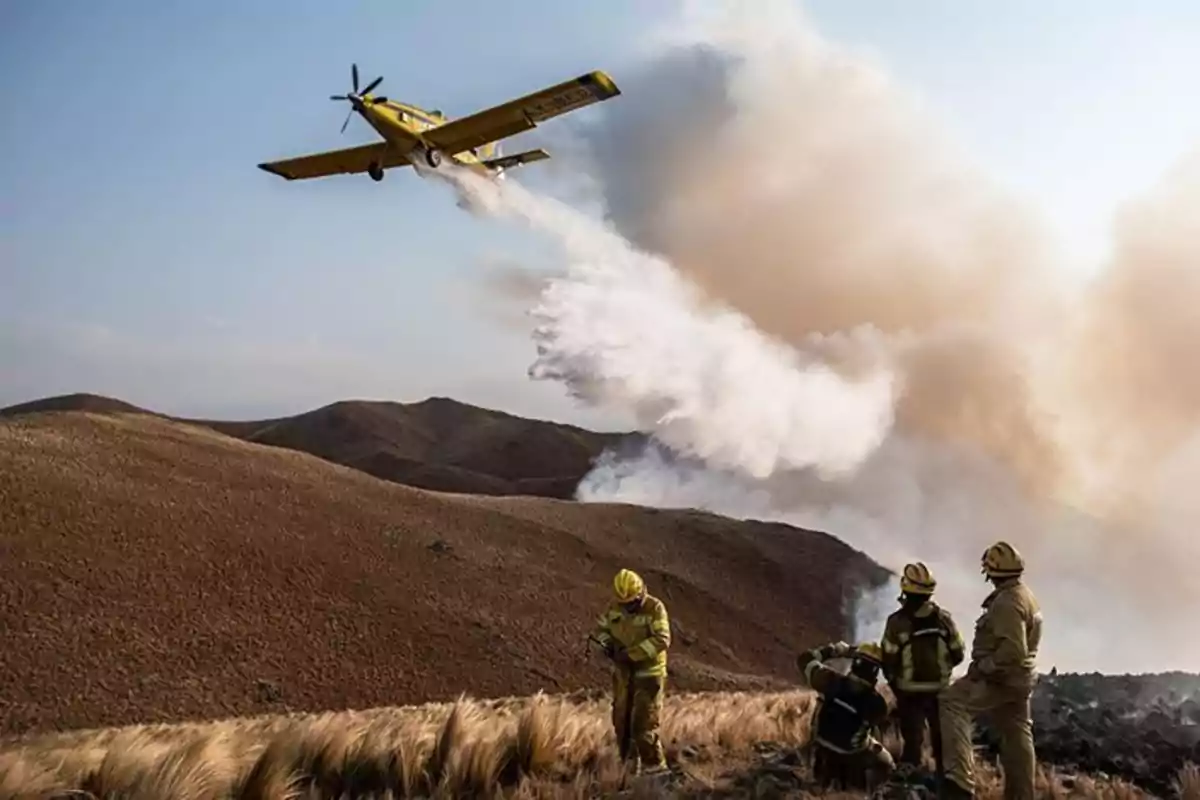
{"points": [[143, 255]]}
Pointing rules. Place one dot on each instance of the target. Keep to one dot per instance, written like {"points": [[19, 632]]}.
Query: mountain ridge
{"points": [[437, 443]]}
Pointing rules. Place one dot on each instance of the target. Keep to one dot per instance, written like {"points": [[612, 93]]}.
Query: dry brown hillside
{"points": [[152, 570], [437, 443]]}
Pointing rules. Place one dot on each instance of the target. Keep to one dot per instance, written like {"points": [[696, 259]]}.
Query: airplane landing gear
{"points": [[375, 171], [433, 158]]}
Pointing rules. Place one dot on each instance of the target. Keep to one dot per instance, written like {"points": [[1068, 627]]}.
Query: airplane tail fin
{"points": [[516, 159]]}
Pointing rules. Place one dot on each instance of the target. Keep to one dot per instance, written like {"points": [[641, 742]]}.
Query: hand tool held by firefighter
{"points": [[601, 648]]}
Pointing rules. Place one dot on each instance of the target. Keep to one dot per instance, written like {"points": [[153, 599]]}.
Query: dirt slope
{"points": [[152, 570], [438, 443]]}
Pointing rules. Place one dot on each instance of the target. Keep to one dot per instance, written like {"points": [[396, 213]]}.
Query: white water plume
{"points": [[622, 328]]}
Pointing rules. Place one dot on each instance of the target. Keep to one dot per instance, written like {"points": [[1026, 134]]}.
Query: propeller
{"points": [[356, 96]]}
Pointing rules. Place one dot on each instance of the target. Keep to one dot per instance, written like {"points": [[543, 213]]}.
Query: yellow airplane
{"points": [[410, 132]]}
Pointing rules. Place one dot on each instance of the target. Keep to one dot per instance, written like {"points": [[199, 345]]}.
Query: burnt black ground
{"points": [[1143, 728]]}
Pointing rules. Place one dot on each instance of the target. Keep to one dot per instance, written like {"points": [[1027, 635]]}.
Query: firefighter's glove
{"points": [[621, 658], [836, 650]]}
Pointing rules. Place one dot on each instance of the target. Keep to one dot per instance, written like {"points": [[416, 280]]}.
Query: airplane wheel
{"points": [[433, 158], [375, 171]]}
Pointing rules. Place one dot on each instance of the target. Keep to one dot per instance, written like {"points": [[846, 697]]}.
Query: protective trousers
{"points": [[865, 770], [1009, 709], [637, 707], [914, 710]]}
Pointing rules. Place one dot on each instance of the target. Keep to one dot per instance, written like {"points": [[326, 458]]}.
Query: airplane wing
{"points": [[522, 114], [336, 162]]}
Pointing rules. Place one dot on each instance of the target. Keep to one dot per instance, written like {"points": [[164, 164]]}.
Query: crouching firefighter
{"points": [[847, 753], [634, 633], [921, 648]]}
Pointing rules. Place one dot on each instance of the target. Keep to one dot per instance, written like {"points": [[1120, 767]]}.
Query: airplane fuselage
{"points": [[402, 124]]}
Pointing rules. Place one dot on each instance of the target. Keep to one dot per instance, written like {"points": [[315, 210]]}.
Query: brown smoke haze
{"points": [[795, 182], [1133, 358]]}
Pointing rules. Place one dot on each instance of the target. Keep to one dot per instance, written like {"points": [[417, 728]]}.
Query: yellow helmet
{"points": [[917, 579], [869, 651], [628, 585], [1002, 560]]}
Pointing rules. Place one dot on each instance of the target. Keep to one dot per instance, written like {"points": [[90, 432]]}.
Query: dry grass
{"points": [[1050, 784], [1187, 783], [533, 747], [536, 747]]}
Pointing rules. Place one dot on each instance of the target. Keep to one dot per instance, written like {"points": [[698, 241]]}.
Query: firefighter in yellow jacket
{"points": [[634, 632], [846, 752], [999, 682], [921, 648]]}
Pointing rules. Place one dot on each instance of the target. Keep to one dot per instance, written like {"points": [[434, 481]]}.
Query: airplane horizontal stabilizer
{"points": [[516, 159]]}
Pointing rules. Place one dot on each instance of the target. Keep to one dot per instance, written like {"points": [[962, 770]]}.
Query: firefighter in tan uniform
{"points": [[921, 647], [846, 752], [999, 682], [634, 632]]}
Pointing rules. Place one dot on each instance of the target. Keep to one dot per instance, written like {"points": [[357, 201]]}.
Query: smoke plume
{"points": [[807, 291], [622, 327]]}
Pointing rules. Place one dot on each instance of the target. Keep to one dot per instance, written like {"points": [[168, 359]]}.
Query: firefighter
{"points": [[921, 647], [999, 682], [634, 633], [847, 753]]}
